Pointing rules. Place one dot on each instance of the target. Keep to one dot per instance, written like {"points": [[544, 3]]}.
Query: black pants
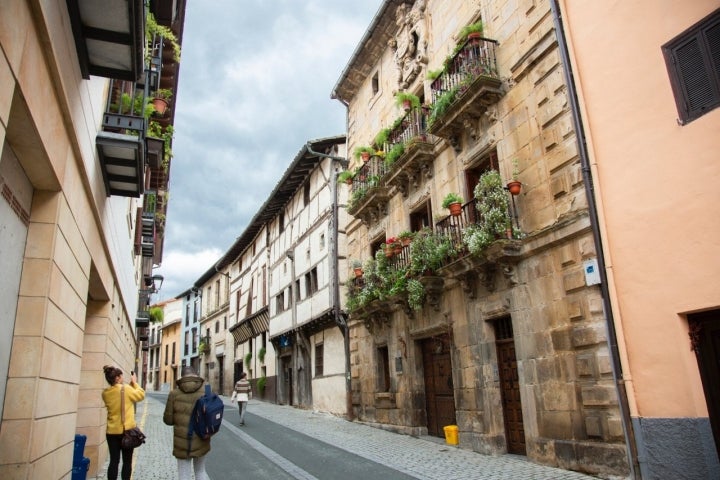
{"points": [[113, 442]]}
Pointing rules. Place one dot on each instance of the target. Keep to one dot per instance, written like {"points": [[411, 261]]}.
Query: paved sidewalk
{"points": [[424, 458]]}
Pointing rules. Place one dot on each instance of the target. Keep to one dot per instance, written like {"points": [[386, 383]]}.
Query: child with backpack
{"points": [[189, 448]]}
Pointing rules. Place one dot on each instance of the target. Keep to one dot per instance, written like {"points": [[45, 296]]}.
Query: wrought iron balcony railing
{"points": [[468, 85]]}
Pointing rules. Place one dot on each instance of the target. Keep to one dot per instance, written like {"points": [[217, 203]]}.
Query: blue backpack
{"points": [[206, 416]]}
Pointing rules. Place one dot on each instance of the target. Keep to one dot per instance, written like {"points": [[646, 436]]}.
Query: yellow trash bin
{"points": [[451, 434]]}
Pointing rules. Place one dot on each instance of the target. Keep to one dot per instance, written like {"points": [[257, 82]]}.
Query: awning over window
{"points": [[251, 326]]}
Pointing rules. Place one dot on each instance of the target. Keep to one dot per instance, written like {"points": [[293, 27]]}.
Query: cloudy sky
{"points": [[254, 87]]}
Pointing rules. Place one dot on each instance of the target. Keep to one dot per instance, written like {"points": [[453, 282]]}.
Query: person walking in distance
{"points": [[242, 393], [178, 410], [115, 427]]}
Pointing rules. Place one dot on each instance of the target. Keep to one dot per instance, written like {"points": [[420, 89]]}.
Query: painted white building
{"points": [[288, 328]]}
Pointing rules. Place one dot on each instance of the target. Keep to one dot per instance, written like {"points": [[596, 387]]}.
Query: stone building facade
{"points": [[78, 242], [506, 335]]}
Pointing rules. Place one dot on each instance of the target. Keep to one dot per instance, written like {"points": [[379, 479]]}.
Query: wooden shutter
{"points": [[693, 62]]}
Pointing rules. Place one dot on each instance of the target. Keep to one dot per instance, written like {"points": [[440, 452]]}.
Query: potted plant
{"points": [[389, 247], [152, 28], [432, 75], [428, 252], [357, 268], [407, 100], [261, 354], [156, 314], [453, 202], [203, 347], [514, 185], [395, 152], [363, 152], [492, 205], [161, 100], [472, 32], [405, 237], [381, 138], [346, 176]]}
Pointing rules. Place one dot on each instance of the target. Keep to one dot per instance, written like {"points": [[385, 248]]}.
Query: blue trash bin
{"points": [[79, 449], [81, 464], [79, 471]]}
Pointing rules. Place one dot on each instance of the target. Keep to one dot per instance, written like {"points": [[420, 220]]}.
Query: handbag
{"points": [[134, 437]]}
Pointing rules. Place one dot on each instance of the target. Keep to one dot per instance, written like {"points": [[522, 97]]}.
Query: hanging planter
{"points": [[514, 187]]}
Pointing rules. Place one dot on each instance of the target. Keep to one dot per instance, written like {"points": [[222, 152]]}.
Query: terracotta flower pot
{"points": [[514, 187], [160, 105], [365, 156], [358, 272], [455, 209]]}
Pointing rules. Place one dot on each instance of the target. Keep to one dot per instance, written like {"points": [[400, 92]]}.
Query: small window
{"points": [[297, 291], [311, 282], [376, 83], [281, 222], [217, 326], [280, 302], [421, 217], [306, 193], [319, 360], [383, 369], [693, 63]]}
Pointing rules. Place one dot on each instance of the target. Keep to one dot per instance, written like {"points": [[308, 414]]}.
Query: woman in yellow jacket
{"points": [[111, 397]]}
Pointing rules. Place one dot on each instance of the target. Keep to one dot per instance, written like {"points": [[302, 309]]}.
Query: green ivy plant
{"points": [[261, 354]]}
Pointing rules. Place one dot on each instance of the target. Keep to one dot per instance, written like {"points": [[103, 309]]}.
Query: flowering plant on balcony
{"points": [[493, 207]]}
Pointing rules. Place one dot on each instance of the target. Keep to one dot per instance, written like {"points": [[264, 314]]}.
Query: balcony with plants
{"points": [[368, 193], [407, 146], [401, 154], [466, 85], [472, 242]]}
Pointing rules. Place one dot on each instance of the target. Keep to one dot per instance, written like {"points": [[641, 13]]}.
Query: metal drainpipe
{"points": [[594, 222], [340, 319]]}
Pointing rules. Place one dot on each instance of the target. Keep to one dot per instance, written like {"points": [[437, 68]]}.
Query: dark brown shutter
{"points": [[693, 61], [138, 231]]}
